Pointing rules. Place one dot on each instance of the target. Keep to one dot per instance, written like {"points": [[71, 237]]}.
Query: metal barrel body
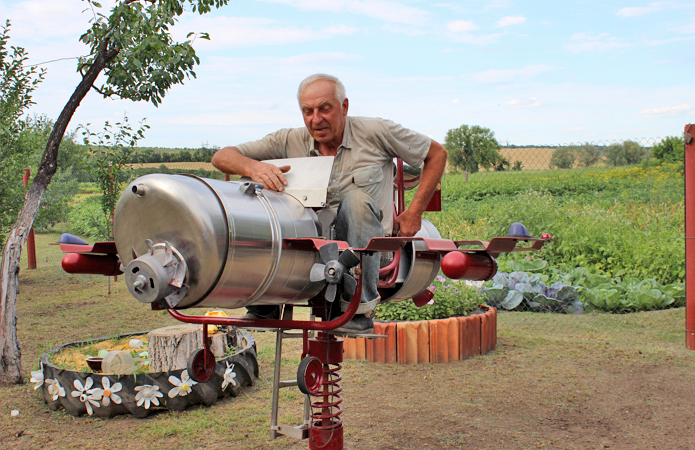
{"points": [[229, 234]]}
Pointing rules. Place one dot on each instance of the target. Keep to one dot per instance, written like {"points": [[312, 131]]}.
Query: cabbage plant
{"points": [[528, 292]]}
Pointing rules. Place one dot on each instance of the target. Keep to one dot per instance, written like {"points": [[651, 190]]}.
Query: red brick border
{"points": [[436, 341]]}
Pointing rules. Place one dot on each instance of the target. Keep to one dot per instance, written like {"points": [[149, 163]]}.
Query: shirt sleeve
{"points": [[411, 146], [272, 146]]}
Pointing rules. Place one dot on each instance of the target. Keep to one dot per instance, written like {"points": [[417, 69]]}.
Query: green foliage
{"points": [[624, 294], [627, 153], [17, 83], [55, 204], [148, 61], [670, 149], [619, 222], [473, 147], [87, 220], [588, 155], [563, 158], [451, 298], [109, 153]]}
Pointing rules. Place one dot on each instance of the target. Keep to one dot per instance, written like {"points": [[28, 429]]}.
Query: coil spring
{"points": [[329, 399]]}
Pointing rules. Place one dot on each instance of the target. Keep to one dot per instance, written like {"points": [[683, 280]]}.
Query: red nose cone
{"points": [[454, 265]]}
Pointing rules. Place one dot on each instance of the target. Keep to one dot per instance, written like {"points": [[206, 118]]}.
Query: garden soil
{"points": [[554, 382]]}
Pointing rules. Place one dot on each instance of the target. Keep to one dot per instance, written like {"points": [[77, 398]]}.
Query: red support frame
{"points": [[689, 137]]}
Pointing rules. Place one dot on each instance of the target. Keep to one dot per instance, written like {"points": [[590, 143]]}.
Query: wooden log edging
{"points": [[428, 341]]}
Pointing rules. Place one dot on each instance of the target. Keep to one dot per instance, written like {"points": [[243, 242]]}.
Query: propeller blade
{"points": [[331, 290], [349, 286], [329, 252], [349, 259], [316, 273]]}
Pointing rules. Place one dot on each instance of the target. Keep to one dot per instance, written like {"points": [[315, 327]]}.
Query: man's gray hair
{"points": [[338, 88]]}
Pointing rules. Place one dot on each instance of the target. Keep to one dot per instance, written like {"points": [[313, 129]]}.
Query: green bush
{"points": [[88, 220], [451, 298], [627, 153], [55, 203], [563, 158], [670, 149]]}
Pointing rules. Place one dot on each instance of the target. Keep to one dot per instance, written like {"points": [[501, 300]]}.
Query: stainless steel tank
{"points": [[199, 242]]}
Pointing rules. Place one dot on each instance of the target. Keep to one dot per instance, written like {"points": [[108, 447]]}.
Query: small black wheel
{"points": [[200, 365], [310, 375]]}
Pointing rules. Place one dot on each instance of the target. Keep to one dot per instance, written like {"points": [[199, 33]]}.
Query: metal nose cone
{"points": [[518, 230]]}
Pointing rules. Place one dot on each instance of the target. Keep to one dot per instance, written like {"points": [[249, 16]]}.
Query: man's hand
{"points": [[408, 223], [271, 176]]}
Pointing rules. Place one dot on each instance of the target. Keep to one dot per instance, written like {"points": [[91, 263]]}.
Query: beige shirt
{"points": [[364, 159]]}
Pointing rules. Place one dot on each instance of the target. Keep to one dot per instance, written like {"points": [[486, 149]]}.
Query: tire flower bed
{"points": [[139, 394]]}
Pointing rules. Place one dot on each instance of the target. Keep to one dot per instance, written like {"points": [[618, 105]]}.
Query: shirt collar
{"points": [[347, 140]]}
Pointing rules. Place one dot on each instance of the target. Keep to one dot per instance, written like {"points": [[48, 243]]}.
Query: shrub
{"points": [[55, 204], [563, 158], [88, 219], [627, 153], [451, 298], [670, 149], [587, 155]]}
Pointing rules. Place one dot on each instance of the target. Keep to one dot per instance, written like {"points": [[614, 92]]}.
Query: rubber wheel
{"points": [[310, 375], [197, 369]]}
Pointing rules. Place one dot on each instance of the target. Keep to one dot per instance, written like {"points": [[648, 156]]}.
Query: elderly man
{"points": [[361, 183]]}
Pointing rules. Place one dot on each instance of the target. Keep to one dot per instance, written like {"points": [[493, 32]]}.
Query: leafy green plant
{"points": [[624, 294], [88, 220], [109, 156], [510, 291], [451, 298], [670, 149], [629, 152]]}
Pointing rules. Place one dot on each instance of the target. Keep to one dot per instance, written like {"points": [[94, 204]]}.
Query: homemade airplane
{"points": [[183, 241]]}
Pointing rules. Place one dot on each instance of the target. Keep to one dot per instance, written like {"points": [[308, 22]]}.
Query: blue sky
{"points": [[533, 72]]}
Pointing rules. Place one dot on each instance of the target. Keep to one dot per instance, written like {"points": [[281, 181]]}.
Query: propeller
{"points": [[335, 270]]}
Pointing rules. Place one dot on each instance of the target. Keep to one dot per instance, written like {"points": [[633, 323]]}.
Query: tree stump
{"points": [[169, 347]]}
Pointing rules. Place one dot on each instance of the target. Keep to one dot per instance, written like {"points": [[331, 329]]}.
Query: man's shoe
{"points": [[360, 324]]}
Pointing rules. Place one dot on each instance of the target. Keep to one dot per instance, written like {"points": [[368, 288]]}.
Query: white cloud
{"points": [[510, 75], [377, 9], [668, 111], [686, 29], [634, 11], [524, 102], [510, 20], [455, 101], [588, 42], [458, 26]]}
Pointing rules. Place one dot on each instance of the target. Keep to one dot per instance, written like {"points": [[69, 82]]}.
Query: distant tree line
{"points": [[156, 155], [668, 150]]}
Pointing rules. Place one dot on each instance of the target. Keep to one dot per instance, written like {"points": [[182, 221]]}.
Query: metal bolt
{"points": [[140, 282]]}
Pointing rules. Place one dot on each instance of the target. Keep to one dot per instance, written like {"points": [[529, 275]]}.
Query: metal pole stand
{"points": [[277, 429], [326, 430]]}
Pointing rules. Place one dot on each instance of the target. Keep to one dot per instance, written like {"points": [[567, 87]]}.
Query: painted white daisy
{"points": [[90, 397], [55, 389], [108, 393], [148, 394], [37, 377], [182, 386], [229, 376]]}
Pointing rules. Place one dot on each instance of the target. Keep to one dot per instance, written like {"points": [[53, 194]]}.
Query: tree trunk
{"points": [[10, 353], [170, 347]]}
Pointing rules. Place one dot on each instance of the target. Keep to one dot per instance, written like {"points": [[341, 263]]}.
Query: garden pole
{"points": [[688, 136], [31, 242]]}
